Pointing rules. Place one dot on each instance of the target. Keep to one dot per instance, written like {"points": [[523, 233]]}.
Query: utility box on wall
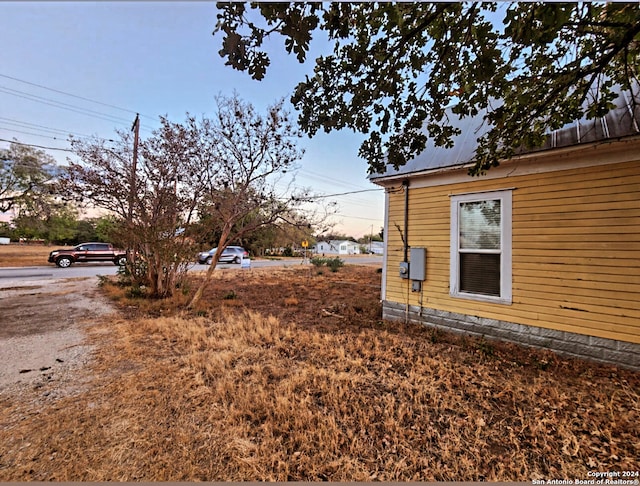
{"points": [[404, 269], [418, 268]]}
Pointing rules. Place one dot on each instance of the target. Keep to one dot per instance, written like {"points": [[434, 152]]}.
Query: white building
{"points": [[375, 247], [337, 247]]}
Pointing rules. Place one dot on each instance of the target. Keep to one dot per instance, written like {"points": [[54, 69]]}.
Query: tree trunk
{"points": [[221, 244]]}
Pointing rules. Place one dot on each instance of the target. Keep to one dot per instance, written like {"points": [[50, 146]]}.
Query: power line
{"points": [[344, 193], [72, 95], [36, 146], [358, 217], [306, 173], [22, 124], [65, 106], [13, 130]]}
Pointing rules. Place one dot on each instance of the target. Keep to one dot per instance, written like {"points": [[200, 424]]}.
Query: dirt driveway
{"points": [[42, 330]]}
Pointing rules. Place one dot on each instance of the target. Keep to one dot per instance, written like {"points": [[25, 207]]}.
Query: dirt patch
{"points": [[42, 331]]}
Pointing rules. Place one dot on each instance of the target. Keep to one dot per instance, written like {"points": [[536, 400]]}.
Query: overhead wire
{"points": [[345, 193], [65, 106], [34, 145], [13, 130], [314, 176], [75, 96], [51, 132], [340, 215], [35, 126], [343, 197], [324, 178], [358, 217], [70, 107], [87, 112], [305, 173]]}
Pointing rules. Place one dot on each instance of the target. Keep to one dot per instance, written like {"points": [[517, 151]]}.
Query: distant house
{"points": [[324, 247], [337, 247], [543, 250], [375, 247]]}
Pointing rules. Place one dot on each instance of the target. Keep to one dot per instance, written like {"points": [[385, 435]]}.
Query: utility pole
{"points": [[135, 128]]}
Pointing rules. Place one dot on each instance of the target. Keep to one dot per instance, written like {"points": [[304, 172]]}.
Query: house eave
{"points": [[387, 180], [537, 155]]}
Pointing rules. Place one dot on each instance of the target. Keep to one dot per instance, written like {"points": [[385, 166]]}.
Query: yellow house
{"points": [[543, 250]]}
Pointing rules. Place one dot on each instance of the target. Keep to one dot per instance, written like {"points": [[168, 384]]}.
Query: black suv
{"points": [[88, 252]]}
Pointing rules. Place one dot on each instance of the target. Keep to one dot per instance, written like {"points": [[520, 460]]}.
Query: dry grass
{"points": [[15, 255], [289, 375]]}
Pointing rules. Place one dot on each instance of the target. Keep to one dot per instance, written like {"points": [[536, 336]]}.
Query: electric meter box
{"points": [[404, 269], [418, 268]]}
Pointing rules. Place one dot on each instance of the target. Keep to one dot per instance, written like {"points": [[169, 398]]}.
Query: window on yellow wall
{"points": [[481, 246]]}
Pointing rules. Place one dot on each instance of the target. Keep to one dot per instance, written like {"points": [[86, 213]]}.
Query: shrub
{"points": [[318, 261], [334, 264]]}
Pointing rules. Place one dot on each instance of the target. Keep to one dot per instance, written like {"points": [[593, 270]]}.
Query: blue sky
{"points": [[153, 58]]}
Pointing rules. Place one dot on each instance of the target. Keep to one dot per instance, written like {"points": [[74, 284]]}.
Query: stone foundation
{"points": [[581, 346]]}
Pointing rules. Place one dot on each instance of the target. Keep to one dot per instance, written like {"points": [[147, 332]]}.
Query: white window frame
{"points": [[506, 207]]}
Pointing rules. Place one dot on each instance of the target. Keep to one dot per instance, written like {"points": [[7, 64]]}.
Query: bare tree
{"points": [[221, 172], [252, 152], [166, 193]]}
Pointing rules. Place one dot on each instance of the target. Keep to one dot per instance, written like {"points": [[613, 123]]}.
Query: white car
{"points": [[231, 254]]}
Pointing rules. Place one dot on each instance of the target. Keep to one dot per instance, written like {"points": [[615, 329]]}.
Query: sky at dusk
{"points": [[87, 68]]}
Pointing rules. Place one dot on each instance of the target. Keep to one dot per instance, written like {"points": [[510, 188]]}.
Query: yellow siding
{"points": [[576, 250]]}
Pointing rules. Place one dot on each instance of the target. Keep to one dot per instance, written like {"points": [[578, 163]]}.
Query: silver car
{"points": [[231, 254]]}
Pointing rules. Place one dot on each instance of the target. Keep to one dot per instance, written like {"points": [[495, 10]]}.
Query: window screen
{"points": [[479, 247]]}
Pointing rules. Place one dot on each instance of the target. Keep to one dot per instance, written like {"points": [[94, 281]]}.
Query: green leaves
{"points": [[25, 173], [397, 68]]}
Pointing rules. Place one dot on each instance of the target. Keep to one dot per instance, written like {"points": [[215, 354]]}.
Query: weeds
{"points": [[334, 264], [435, 335], [185, 287], [268, 392], [230, 295], [318, 261], [136, 291], [485, 347]]}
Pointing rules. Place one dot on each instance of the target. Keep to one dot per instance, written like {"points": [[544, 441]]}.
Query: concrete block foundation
{"points": [[598, 349]]}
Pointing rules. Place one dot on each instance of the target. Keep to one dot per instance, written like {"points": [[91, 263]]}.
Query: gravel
{"points": [[43, 333]]}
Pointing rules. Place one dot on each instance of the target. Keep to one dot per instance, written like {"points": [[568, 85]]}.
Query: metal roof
{"points": [[621, 121]]}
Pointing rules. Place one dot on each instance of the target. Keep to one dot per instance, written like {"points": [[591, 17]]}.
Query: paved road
{"points": [[95, 269]]}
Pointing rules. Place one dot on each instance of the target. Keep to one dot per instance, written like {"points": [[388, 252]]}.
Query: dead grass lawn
{"points": [[15, 255], [289, 375]]}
